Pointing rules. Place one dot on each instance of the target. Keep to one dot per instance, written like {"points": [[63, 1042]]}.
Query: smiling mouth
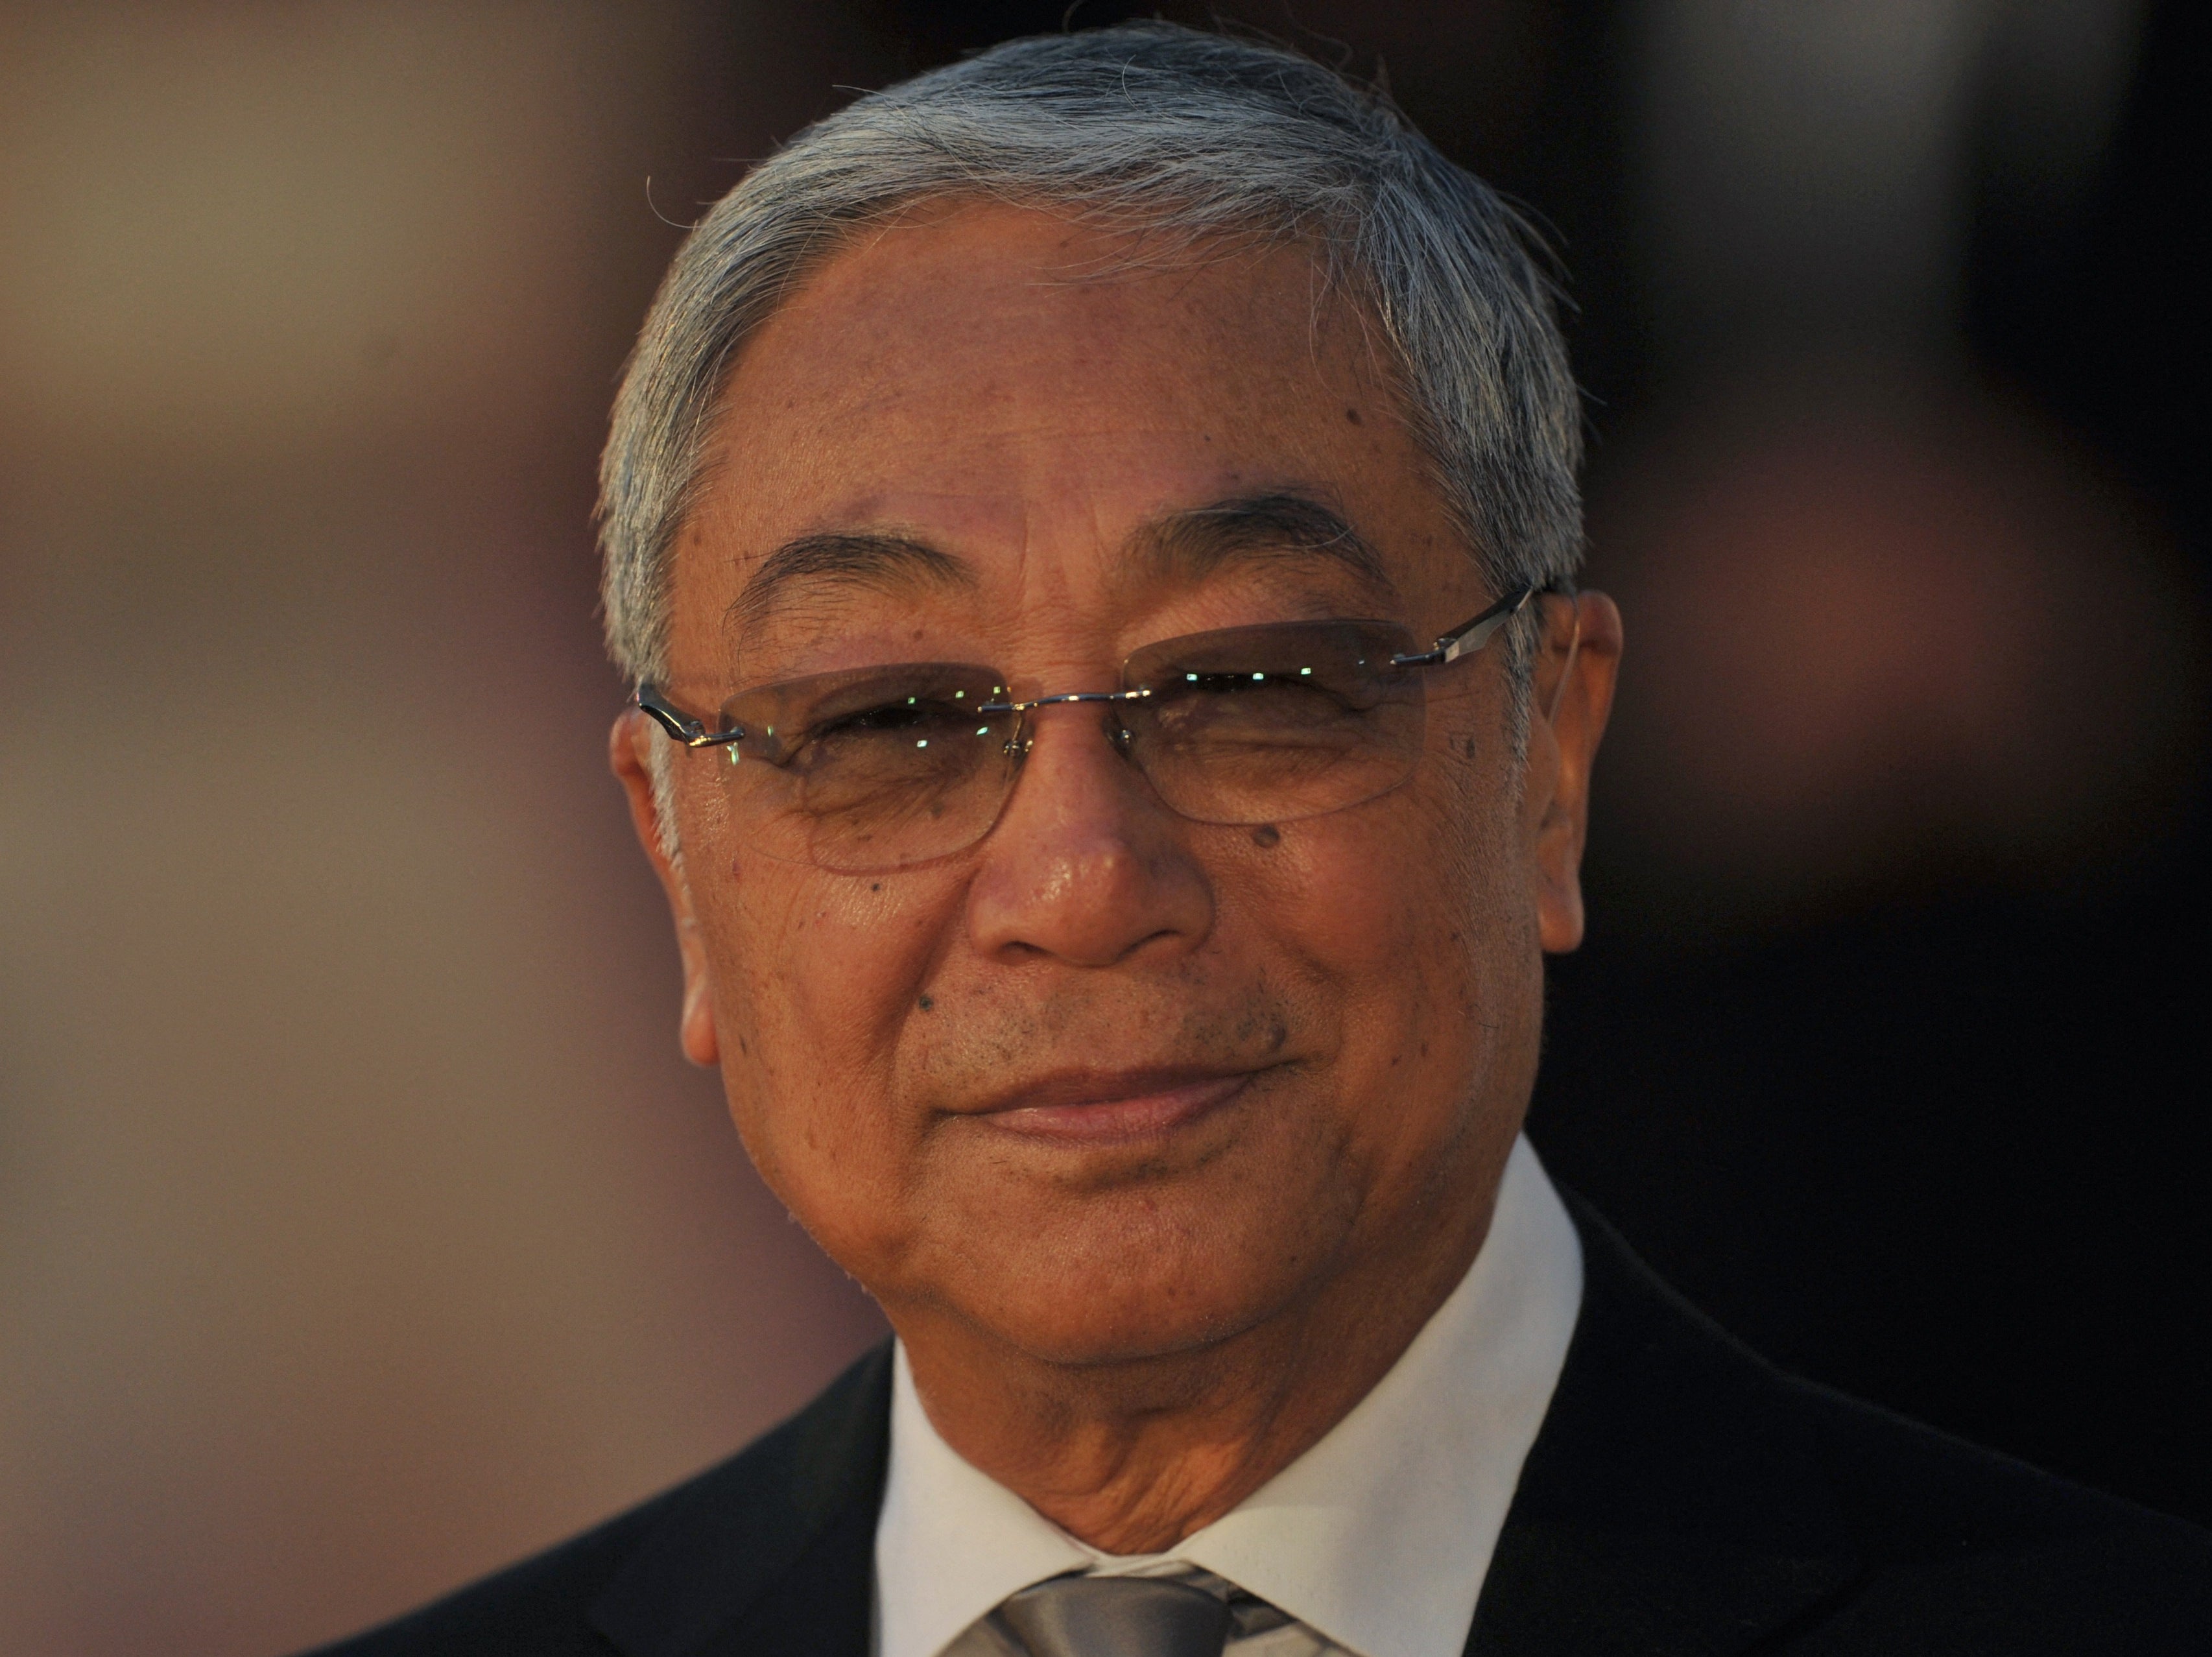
{"points": [[1102, 1108]]}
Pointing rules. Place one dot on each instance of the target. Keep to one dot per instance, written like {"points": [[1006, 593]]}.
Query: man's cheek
{"points": [[1357, 894], [822, 961]]}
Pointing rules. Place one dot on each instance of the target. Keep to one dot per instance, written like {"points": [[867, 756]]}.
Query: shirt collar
{"points": [[1378, 1537]]}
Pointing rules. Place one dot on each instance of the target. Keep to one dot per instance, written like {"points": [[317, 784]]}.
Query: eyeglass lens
{"points": [[883, 767]]}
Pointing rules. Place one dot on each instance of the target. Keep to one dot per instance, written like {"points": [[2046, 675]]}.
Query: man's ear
{"points": [[1571, 698], [629, 747]]}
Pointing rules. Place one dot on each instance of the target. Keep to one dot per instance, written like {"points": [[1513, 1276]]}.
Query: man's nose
{"points": [[1085, 866]]}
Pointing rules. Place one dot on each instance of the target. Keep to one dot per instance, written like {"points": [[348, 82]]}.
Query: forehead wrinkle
{"points": [[1188, 546], [810, 567]]}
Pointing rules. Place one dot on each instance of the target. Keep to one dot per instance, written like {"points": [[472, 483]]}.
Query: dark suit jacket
{"points": [[1683, 1497]]}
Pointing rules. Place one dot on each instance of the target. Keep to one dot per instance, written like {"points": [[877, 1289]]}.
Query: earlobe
{"points": [[628, 754], [1557, 853], [696, 1034], [1574, 701]]}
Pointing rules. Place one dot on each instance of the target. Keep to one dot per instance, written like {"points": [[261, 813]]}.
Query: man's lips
{"points": [[1106, 1107]]}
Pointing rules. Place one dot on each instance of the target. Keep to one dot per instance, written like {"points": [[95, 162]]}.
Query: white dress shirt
{"points": [[1374, 1543]]}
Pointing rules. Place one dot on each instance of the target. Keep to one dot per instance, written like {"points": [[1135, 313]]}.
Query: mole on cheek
{"points": [[925, 1003], [1267, 835]]}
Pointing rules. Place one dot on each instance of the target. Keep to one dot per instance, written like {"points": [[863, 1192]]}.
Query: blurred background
{"points": [[360, 1226]]}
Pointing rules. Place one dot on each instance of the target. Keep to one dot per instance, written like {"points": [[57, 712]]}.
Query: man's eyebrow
{"points": [[844, 558], [1192, 544]]}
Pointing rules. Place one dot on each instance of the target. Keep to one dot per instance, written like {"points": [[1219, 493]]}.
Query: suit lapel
{"points": [[1674, 1503], [772, 1555]]}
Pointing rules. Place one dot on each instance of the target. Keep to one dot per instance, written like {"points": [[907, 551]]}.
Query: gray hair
{"points": [[1160, 129]]}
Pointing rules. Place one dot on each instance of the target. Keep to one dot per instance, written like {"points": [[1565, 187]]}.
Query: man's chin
{"points": [[1109, 1309], [1116, 1343]]}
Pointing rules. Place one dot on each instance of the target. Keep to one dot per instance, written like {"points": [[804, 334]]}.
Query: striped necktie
{"points": [[1117, 1616]]}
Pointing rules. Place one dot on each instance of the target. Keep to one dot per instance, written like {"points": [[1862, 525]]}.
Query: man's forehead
{"points": [[1175, 549], [939, 407], [1015, 317], [973, 517]]}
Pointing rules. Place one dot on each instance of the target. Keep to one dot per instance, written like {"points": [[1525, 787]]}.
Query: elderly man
{"points": [[1092, 528]]}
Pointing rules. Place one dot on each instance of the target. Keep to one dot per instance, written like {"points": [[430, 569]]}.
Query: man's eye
{"points": [[887, 716], [1274, 707], [1220, 680], [1245, 683], [890, 719]]}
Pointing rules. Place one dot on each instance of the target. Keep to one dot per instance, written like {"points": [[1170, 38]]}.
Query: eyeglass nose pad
{"points": [[1118, 734]]}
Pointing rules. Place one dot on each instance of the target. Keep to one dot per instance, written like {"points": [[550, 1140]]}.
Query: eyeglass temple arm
{"points": [[1471, 636], [688, 731]]}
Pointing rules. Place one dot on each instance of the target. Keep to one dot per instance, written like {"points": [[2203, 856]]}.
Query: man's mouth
{"points": [[1080, 1107]]}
